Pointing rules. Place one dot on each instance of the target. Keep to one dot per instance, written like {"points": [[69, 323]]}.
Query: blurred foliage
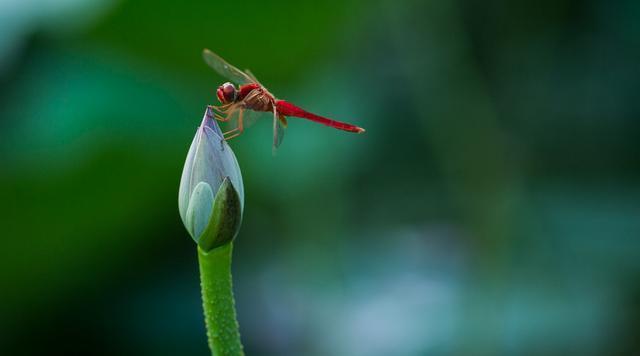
{"points": [[490, 208]]}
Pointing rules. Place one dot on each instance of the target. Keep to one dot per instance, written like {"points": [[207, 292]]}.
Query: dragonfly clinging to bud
{"points": [[239, 104]]}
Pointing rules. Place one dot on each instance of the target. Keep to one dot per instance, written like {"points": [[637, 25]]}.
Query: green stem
{"points": [[217, 301]]}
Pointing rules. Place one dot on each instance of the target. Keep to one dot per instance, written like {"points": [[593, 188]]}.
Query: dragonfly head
{"points": [[227, 93]]}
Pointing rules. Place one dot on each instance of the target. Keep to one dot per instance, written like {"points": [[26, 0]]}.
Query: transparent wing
{"points": [[225, 69], [278, 130], [247, 119], [252, 76]]}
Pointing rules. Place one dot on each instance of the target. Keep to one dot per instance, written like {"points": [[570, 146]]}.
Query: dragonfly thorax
{"points": [[227, 93], [258, 99]]}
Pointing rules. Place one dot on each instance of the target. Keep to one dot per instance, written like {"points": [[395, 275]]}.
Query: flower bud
{"points": [[211, 195]]}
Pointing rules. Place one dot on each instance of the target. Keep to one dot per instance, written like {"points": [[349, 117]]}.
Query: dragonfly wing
{"points": [[225, 69], [252, 76], [278, 130], [249, 117]]}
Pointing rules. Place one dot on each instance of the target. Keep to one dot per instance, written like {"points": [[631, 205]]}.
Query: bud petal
{"points": [[199, 210], [225, 219]]}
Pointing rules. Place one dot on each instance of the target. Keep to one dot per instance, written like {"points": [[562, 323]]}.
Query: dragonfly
{"points": [[242, 105]]}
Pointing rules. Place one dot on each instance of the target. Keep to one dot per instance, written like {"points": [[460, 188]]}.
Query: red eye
{"points": [[220, 95]]}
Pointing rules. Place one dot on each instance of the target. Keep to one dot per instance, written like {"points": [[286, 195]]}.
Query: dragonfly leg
{"points": [[222, 118], [216, 109], [233, 133], [226, 115], [236, 134], [222, 109], [217, 117], [237, 131], [219, 107]]}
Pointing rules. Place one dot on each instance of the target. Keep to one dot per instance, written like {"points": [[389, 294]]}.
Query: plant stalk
{"points": [[217, 300]]}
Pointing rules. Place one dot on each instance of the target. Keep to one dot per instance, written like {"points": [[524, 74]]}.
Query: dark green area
{"points": [[490, 208]]}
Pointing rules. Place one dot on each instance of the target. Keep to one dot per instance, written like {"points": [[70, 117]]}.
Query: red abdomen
{"points": [[287, 109]]}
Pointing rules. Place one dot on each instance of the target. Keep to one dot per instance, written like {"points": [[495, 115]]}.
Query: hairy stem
{"points": [[217, 301]]}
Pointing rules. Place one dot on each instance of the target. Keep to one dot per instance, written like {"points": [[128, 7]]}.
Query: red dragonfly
{"points": [[251, 98]]}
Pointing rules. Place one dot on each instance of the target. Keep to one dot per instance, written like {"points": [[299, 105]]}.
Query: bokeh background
{"points": [[491, 208]]}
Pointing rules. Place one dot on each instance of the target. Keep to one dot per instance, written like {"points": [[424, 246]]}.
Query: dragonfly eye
{"points": [[227, 93]]}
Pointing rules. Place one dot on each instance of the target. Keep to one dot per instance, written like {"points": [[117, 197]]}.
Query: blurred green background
{"points": [[491, 208]]}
